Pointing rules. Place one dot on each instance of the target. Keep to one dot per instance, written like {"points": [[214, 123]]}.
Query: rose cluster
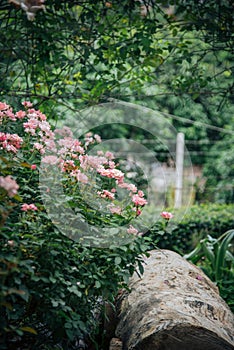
{"points": [[41, 145]]}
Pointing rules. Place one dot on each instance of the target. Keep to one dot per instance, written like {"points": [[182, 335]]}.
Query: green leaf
{"points": [[54, 303], [74, 290], [208, 252], [97, 284], [7, 305], [52, 279], [222, 250], [195, 254], [29, 329], [141, 268], [117, 260]]}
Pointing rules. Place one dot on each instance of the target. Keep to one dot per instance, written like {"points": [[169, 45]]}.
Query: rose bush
{"points": [[53, 288]]}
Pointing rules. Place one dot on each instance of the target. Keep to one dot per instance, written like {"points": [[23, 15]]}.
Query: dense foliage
{"points": [[53, 289]]}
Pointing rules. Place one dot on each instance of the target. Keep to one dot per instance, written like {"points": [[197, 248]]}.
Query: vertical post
{"points": [[179, 169]]}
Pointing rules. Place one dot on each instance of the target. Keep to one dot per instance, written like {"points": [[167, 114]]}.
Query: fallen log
{"points": [[173, 306]]}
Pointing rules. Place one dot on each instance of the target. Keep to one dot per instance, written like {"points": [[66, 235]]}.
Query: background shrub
{"points": [[199, 221]]}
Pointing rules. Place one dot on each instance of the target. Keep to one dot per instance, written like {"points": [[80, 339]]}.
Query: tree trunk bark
{"points": [[173, 306]]}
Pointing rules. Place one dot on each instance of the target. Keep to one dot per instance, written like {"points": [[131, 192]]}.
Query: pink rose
{"points": [[132, 230], [27, 104], [115, 210], [137, 200], [9, 185], [106, 194], [3, 106], [26, 207], [20, 114], [166, 215]]}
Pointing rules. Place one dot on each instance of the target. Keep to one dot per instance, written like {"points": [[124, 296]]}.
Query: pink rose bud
{"points": [[33, 166], [138, 212]]}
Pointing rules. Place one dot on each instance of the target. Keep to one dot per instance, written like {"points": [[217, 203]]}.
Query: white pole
{"points": [[179, 169]]}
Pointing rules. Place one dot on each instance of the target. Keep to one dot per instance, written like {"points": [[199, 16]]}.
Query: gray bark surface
{"points": [[174, 305]]}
